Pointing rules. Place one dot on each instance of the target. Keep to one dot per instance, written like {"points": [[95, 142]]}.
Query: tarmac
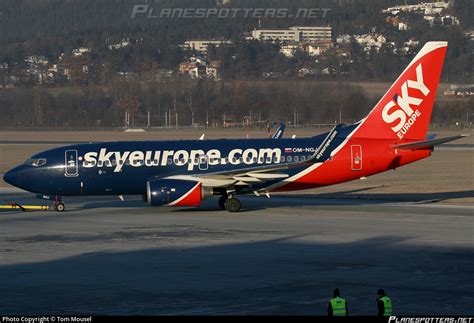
{"points": [[283, 255]]}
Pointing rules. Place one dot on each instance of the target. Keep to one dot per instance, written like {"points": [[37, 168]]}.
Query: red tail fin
{"points": [[404, 112]]}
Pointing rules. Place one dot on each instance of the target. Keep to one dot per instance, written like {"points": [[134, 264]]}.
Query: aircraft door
{"points": [[356, 157], [71, 167]]}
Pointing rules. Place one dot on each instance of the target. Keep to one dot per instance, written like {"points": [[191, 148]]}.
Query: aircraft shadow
{"points": [[253, 203], [285, 275]]}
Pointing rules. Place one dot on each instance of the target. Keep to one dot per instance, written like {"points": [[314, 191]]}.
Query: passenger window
{"points": [[297, 158], [283, 159], [290, 159], [303, 158]]}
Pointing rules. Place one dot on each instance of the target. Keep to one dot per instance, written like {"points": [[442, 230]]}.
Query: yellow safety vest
{"points": [[387, 305], [338, 306]]}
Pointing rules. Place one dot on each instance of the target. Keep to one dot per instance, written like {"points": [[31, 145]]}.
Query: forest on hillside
{"points": [[101, 97]]}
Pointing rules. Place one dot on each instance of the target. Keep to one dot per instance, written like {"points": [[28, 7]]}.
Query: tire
{"points": [[60, 207], [232, 205], [222, 201]]}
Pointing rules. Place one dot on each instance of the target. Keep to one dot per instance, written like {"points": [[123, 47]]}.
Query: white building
{"points": [[343, 39], [80, 51], [36, 60], [294, 34], [449, 21], [124, 43], [429, 8], [203, 45], [289, 50], [369, 41], [402, 26]]}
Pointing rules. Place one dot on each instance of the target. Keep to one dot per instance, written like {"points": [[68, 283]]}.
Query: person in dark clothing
{"points": [[384, 304], [337, 305]]}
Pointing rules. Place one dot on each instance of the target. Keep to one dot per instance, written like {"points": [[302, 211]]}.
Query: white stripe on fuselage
{"points": [[314, 166]]}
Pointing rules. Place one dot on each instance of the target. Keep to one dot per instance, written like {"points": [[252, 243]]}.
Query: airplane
{"points": [[183, 173]]}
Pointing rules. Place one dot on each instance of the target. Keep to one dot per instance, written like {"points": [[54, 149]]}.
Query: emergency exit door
{"points": [[356, 157]]}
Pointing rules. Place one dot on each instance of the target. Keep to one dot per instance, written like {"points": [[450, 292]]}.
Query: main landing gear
{"points": [[230, 204]]}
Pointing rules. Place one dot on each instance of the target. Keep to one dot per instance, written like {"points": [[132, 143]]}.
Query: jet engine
{"points": [[176, 192]]}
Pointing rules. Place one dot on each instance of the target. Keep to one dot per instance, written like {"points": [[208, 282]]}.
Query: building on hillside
{"points": [[298, 34], [80, 51], [202, 46], [289, 50], [36, 60], [427, 8], [200, 68], [123, 43], [369, 41], [318, 48], [343, 39]]}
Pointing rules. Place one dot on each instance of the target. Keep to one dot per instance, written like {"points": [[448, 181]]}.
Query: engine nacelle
{"points": [[176, 192]]}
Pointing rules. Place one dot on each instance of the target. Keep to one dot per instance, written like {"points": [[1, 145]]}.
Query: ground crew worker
{"points": [[337, 305], [384, 304]]}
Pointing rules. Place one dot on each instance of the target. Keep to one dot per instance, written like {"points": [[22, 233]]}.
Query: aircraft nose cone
{"points": [[11, 177]]}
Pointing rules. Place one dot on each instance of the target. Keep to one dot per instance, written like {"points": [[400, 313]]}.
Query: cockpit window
{"points": [[36, 162]]}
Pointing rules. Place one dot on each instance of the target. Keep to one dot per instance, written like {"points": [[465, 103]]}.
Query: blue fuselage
{"points": [[123, 168]]}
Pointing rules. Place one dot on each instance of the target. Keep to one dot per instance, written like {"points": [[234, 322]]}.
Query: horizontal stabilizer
{"points": [[427, 144]]}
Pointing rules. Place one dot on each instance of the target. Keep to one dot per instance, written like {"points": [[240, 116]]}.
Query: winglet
{"points": [[327, 146], [279, 132]]}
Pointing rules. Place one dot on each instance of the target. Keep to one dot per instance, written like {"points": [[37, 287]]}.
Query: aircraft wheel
{"points": [[60, 207], [222, 201], [232, 205]]}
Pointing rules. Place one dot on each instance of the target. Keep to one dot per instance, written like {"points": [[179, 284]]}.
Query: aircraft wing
{"points": [[264, 173], [427, 144]]}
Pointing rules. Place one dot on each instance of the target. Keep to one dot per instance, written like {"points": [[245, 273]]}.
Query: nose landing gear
{"points": [[60, 207], [58, 204]]}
